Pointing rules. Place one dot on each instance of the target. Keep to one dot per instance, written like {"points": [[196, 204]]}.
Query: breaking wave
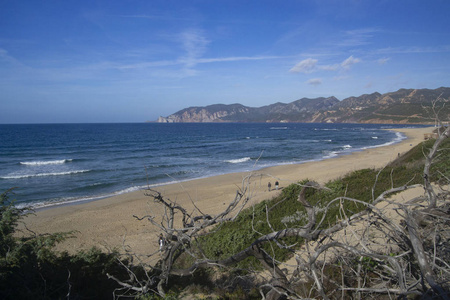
{"points": [[43, 163], [239, 160], [43, 174]]}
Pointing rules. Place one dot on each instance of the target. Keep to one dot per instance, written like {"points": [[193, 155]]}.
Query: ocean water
{"points": [[52, 164]]}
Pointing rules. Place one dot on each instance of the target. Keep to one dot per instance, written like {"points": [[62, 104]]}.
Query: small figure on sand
{"points": [[269, 186], [161, 241], [276, 185]]}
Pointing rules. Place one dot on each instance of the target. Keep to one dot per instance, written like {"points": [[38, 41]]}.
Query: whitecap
{"points": [[239, 160], [398, 138], [43, 174], [77, 200], [42, 163], [330, 154]]}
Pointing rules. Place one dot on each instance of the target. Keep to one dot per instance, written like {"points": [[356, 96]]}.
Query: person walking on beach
{"points": [[269, 186], [161, 241], [276, 185]]}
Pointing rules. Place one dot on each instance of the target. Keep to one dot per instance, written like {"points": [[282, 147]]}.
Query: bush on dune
{"points": [[31, 269]]}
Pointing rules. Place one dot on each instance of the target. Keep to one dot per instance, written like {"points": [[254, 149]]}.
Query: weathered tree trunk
{"points": [[432, 197], [419, 252]]}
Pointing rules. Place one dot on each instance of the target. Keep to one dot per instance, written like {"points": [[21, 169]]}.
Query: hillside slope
{"points": [[403, 106]]}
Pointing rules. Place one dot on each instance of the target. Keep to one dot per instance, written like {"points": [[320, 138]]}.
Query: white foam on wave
{"points": [[375, 137], [77, 200], [278, 128], [43, 162], [20, 176], [347, 147], [328, 154], [398, 138], [239, 160]]}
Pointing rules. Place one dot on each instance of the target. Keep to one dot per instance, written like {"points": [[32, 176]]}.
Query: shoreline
{"points": [[109, 223], [44, 205]]}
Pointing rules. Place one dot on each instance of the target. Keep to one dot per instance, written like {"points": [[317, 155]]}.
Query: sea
{"points": [[58, 164]]}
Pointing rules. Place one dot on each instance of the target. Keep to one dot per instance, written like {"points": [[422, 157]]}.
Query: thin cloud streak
{"points": [[357, 37], [349, 62], [305, 66], [156, 17], [315, 81], [311, 65], [193, 62], [416, 50], [383, 60], [194, 43]]}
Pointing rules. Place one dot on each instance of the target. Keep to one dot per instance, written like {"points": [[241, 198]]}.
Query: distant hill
{"points": [[401, 107]]}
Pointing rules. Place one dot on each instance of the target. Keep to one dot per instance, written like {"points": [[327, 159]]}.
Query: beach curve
{"points": [[109, 223]]}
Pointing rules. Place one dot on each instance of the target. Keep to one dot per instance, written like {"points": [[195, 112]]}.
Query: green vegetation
{"points": [[285, 211], [31, 269]]}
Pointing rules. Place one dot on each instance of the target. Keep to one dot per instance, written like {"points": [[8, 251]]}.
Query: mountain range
{"points": [[404, 106]]}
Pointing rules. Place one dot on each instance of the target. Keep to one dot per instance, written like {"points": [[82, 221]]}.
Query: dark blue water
{"points": [[62, 163]]}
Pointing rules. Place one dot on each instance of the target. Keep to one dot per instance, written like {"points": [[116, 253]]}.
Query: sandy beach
{"points": [[109, 223]]}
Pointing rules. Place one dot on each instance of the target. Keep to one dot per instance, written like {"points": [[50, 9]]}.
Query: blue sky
{"points": [[132, 61]]}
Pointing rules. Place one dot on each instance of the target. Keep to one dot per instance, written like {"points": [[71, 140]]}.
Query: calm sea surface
{"points": [[52, 164]]}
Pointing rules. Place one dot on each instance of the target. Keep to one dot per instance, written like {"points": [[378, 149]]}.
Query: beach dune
{"points": [[109, 223]]}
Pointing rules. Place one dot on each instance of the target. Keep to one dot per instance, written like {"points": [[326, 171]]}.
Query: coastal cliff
{"points": [[401, 107]]}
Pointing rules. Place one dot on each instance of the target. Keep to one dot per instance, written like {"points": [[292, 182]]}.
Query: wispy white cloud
{"points": [[357, 37], [339, 78], [237, 58], [333, 67], [158, 17], [311, 65], [383, 60], [415, 49], [314, 81], [194, 44], [142, 16], [192, 62], [142, 65], [6, 57], [349, 62], [305, 66]]}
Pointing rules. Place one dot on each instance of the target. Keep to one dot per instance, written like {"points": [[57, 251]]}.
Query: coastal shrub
{"points": [[414, 159], [31, 269], [169, 296], [440, 169], [232, 237], [285, 211]]}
